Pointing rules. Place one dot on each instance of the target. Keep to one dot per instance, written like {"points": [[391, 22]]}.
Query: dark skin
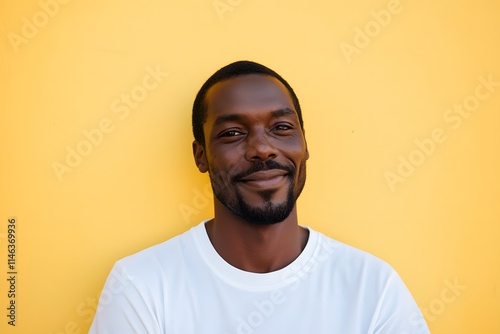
{"points": [[252, 119]]}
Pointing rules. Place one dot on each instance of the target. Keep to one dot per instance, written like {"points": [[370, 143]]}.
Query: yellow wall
{"points": [[67, 69]]}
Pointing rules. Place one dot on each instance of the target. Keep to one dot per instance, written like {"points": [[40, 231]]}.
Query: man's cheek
{"points": [[222, 178]]}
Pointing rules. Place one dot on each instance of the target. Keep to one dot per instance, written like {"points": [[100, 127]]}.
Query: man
{"points": [[253, 268]]}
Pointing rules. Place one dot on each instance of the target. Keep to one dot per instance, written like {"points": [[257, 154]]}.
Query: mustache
{"points": [[261, 166]]}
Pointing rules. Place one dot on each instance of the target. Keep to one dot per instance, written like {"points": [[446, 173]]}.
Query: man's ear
{"points": [[200, 157], [307, 152]]}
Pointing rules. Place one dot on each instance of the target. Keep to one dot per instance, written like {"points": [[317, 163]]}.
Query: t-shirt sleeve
{"points": [[397, 312], [123, 308]]}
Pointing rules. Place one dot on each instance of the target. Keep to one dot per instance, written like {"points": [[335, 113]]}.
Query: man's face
{"points": [[255, 150]]}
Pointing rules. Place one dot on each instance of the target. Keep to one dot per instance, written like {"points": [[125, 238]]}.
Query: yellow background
{"points": [[139, 186]]}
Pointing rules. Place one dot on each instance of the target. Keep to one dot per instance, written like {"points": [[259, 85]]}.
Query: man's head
{"points": [[249, 136]]}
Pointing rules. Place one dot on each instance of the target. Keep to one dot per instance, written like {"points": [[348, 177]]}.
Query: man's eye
{"points": [[282, 127], [230, 133]]}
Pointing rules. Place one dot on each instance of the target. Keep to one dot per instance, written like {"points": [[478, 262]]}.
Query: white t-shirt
{"points": [[183, 286]]}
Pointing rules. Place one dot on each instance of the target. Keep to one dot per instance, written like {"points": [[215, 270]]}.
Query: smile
{"points": [[268, 179]]}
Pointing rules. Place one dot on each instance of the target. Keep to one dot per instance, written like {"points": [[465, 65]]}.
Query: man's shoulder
{"points": [[159, 257], [360, 275], [349, 259]]}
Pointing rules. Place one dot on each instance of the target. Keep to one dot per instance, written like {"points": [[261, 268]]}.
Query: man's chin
{"points": [[267, 214], [266, 207]]}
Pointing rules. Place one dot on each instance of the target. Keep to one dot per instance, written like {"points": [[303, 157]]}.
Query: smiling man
{"points": [[253, 268]]}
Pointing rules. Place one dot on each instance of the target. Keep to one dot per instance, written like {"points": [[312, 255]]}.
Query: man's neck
{"points": [[256, 248]]}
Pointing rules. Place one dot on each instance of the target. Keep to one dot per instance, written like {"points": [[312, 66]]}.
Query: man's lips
{"points": [[266, 179]]}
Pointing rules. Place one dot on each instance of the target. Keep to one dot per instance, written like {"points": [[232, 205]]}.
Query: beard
{"points": [[268, 213]]}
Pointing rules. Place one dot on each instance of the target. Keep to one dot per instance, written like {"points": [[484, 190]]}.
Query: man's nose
{"points": [[260, 148]]}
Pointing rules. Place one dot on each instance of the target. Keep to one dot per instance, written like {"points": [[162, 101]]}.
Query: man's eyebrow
{"points": [[228, 118], [238, 117], [283, 112]]}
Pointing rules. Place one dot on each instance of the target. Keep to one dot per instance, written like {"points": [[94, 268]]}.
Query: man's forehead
{"points": [[247, 92]]}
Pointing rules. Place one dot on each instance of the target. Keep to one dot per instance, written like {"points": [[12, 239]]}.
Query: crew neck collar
{"points": [[250, 280]]}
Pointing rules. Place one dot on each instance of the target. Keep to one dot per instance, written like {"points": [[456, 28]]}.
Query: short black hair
{"points": [[243, 67]]}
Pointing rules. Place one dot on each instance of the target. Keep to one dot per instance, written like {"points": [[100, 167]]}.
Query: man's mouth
{"points": [[266, 179]]}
